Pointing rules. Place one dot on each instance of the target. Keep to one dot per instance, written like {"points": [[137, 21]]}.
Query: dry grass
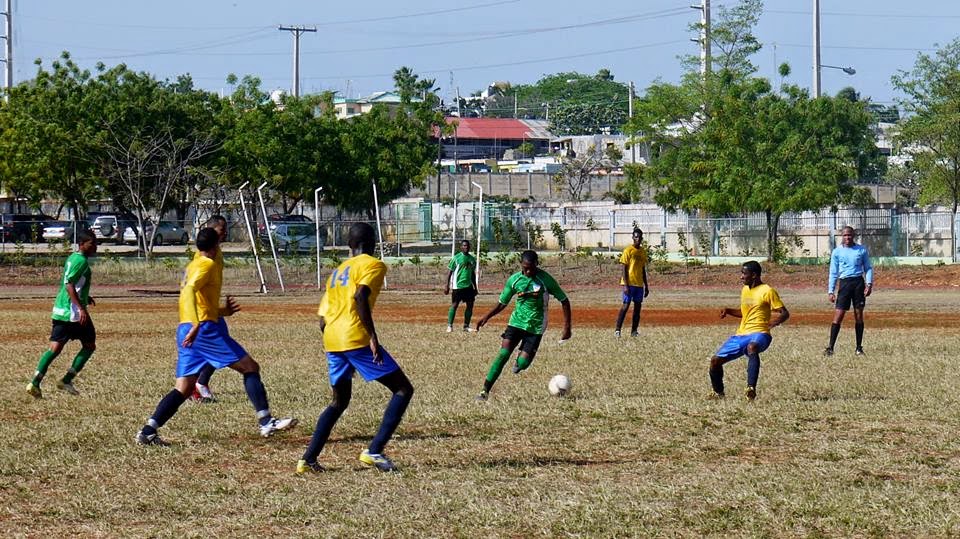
{"points": [[845, 447]]}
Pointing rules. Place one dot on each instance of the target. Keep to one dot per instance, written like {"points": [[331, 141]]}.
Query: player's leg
{"points": [[758, 343], [452, 312], [342, 391], [528, 350], [507, 345], [202, 391], [166, 409], [46, 358], [859, 302], [398, 383], [88, 340], [729, 350], [468, 312], [635, 323], [840, 309], [624, 307], [257, 393]]}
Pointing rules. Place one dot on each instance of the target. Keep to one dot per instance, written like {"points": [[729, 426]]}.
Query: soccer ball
{"points": [[559, 385]]}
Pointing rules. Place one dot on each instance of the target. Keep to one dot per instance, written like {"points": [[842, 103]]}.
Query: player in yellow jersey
{"points": [[202, 392], [201, 339], [757, 302], [351, 344], [633, 281]]}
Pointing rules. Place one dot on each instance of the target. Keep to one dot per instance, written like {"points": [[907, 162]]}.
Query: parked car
{"points": [[165, 232], [23, 227], [110, 226], [295, 238], [277, 218], [59, 231]]}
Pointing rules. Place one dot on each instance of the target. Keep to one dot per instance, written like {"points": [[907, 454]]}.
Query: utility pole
{"points": [[704, 40], [816, 49], [633, 145], [8, 42], [296, 31]]}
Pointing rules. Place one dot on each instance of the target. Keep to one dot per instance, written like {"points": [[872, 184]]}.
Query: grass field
{"points": [[843, 447]]}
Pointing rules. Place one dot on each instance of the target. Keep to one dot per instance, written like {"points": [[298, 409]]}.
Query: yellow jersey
{"points": [[344, 330], [635, 260], [200, 291], [217, 258], [755, 306]]}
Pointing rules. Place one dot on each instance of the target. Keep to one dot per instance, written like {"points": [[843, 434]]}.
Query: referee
{"points": [[851, 281]]}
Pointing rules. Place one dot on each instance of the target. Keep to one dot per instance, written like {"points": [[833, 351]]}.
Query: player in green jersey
{"points": [[71, 321], [533, 288], [463, 278]]}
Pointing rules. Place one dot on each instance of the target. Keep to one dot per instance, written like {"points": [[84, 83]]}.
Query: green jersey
{"points": [[464, 267], [76, 273], [533, 294]]}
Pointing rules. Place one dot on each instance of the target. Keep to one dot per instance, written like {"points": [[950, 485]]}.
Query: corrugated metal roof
{"points": [[500, 128]]}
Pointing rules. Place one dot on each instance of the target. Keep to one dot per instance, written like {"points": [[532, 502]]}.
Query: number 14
{"points": [[340, 280]]}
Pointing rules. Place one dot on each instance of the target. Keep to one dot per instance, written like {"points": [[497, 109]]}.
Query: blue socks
{"points": [[391, 418], [166, 409], [258, 396]]}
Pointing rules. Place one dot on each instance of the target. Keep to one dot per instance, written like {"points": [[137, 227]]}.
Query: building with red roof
{"points": [[489, 138]]}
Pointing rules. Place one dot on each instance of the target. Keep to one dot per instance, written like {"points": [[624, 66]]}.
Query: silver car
{"points": [[165, 232], [295, 238]]}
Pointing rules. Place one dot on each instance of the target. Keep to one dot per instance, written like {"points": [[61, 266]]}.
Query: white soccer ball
{"points": [[559, 385]]}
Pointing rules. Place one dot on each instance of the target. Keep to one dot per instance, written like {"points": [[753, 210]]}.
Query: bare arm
{"points": [[446, 287], [646, 285], [626, 278], [493, 312], [782, 316], [567, 320], [727, 311], [362, 297]]}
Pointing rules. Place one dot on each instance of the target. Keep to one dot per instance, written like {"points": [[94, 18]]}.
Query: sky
{"points": [[467, 44]]}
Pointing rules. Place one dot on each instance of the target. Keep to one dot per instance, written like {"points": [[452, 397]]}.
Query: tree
{"points": [[931, 132], [732, 42], [576, 172]]}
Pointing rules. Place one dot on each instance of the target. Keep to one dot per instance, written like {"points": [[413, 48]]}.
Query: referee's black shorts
{"points": [[851, 292]]}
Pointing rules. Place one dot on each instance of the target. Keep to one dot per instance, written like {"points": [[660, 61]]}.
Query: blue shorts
{"points": [[634, 294], [343, 364], [213, 345], [736, 345]]}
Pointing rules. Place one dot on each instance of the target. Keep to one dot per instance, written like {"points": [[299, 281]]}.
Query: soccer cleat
{"points": [[377, 460], [449, 329], [716, 396], [304, 467], [482, 397], [34, 390], [202, 394], [516, 368], [150, 439], [751, 393], [827, 352], [68, 387], [859, 352], [616, 333], [275, 425], [468, 329], [634, 333]]}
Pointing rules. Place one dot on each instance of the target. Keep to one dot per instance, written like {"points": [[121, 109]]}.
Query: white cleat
{"points": [[275, 425]]}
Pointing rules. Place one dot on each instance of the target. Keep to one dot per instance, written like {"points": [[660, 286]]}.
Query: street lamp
{"points": [[848, 70]]}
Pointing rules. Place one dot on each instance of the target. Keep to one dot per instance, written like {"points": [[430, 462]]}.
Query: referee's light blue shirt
{"points": [[849, 262]]}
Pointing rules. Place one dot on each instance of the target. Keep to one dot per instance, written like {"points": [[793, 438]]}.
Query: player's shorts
{"points": [[213, 345], [344, 364], [634, 294], [529, 342], [736, 345], [852, 290], [463, 294], [62, 332]]}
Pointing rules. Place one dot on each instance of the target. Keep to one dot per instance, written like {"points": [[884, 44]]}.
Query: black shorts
{"points": [[73, 331], [851, 291], [463, 294], [529, 342]]}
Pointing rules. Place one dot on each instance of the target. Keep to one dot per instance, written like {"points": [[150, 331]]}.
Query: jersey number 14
{"points": [[340, 280]]}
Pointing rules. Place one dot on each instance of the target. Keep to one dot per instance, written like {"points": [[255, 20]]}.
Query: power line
{"points": [[421, 14], [244, 37], [510, 64]]}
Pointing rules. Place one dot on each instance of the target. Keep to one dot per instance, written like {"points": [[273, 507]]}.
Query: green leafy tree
{"points": [[931, 131], [576, 172]]}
